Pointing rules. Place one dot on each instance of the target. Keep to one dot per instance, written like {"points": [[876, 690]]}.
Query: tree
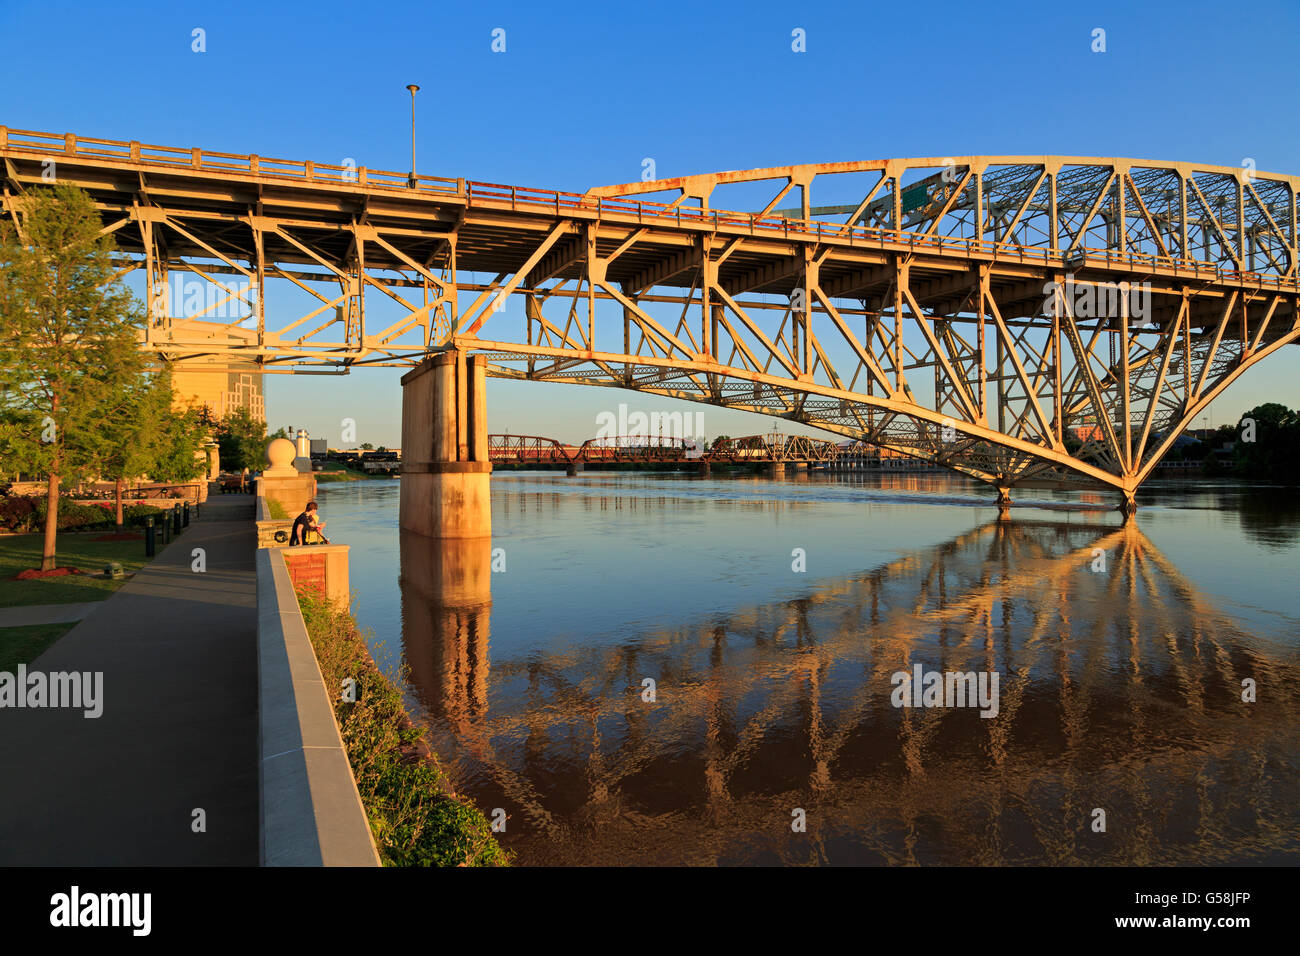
{"points": [[180, 456], [68, 341], [242, 440], [1267, 443], [133, 419], [366, 446]]}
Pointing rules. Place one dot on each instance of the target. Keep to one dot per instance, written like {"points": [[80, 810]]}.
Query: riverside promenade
{"points": [[178, 733]]}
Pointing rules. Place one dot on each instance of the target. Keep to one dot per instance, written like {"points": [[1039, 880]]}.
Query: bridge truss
{"points": [[1007, 317]]}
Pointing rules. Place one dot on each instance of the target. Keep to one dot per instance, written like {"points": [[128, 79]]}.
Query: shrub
{"points": [[18, 514], [24, 515], [415, 817]]}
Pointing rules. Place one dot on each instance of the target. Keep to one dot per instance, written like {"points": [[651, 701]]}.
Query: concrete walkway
{"points": [[32, 614], [177, 650]]}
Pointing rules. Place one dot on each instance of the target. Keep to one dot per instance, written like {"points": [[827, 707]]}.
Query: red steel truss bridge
{"points": [[1009, 317], [534, 449]]}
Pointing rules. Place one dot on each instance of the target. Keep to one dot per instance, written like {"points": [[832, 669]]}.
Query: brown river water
{"points": [[771, 618]]}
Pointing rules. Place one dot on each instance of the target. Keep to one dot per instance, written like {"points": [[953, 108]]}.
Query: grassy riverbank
{"points": [[416, 818], [343, 473]]}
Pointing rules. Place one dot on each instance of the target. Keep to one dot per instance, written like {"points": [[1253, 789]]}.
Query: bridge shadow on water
{"points": [[1120, 690]]}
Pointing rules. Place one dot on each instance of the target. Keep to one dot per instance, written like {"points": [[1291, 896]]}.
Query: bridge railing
{"points": [[54, 144], [558, 201]]}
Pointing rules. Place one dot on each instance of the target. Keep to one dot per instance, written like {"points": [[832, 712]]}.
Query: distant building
{"points": [[219, 382]]}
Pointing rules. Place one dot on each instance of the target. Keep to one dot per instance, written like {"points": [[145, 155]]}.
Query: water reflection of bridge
{"points": [[1121, 689]]}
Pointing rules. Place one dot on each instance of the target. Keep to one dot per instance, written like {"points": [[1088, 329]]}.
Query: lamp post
{"points": [[414, 89]]}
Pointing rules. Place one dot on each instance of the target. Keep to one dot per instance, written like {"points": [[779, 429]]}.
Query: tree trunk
{"points": [[117, 487], [51, 522]]}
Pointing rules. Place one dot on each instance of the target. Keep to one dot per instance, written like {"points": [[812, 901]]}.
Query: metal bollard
{"points": [[176, 519], [185, 515], [166, 527], [149, 546]]}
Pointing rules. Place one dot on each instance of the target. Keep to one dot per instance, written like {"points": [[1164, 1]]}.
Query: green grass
{"points": [[22, 551], [343, 473], [277, 510], [415, 817], [22, 645]]}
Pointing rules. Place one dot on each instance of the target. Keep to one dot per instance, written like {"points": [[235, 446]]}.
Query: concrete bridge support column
{"points": [[1128, 505], [1004, 501], [574, 469], [445, 466], [705, 469], [776, 469]]}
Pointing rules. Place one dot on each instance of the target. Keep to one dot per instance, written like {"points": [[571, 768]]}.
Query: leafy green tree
{"points": [[68, 334], [133, 416], [1267, 443], [180, 455], [241, 439]]}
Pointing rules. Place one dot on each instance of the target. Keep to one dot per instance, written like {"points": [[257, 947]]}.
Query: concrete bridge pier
{"points": [[776, 469], [574, 469], [445, 465], [705, 469], [1004, 501], [1128, 505]]}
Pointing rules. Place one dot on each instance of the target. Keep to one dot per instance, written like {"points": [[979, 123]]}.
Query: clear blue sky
{"points": [[585, 91]]}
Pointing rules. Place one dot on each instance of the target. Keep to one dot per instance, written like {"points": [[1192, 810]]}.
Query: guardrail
{"points": [[310, 810]]}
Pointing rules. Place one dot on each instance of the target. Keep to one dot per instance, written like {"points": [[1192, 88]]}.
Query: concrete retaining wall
{"points": [[311, 812]]}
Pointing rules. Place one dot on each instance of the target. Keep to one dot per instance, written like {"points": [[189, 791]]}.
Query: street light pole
{"points": [[413, 88]]}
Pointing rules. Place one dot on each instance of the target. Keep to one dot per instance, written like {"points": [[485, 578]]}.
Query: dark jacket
{"points": [[301, 525]]}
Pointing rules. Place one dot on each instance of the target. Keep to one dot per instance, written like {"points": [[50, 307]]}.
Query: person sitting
{"points": [[306, 528]]}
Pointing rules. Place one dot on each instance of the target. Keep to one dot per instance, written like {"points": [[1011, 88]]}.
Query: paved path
{"points": [[31, 614], [178, 654]]}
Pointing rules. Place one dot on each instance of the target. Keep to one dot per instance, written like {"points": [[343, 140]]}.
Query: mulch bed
{"points": [[32, 573]]}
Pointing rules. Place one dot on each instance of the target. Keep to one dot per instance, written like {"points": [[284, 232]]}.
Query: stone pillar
{"points": [[282, 482], [776, 469], [574, 469], [445, 466]]}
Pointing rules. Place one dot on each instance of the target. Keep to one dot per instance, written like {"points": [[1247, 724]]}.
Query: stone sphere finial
{"points": [[281, 453]]}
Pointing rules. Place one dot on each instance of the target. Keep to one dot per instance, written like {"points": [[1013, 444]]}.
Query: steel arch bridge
{"points": [[1009, 317]]}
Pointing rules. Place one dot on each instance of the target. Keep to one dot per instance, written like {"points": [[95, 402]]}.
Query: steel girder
{"points": [[1007, 317]]}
